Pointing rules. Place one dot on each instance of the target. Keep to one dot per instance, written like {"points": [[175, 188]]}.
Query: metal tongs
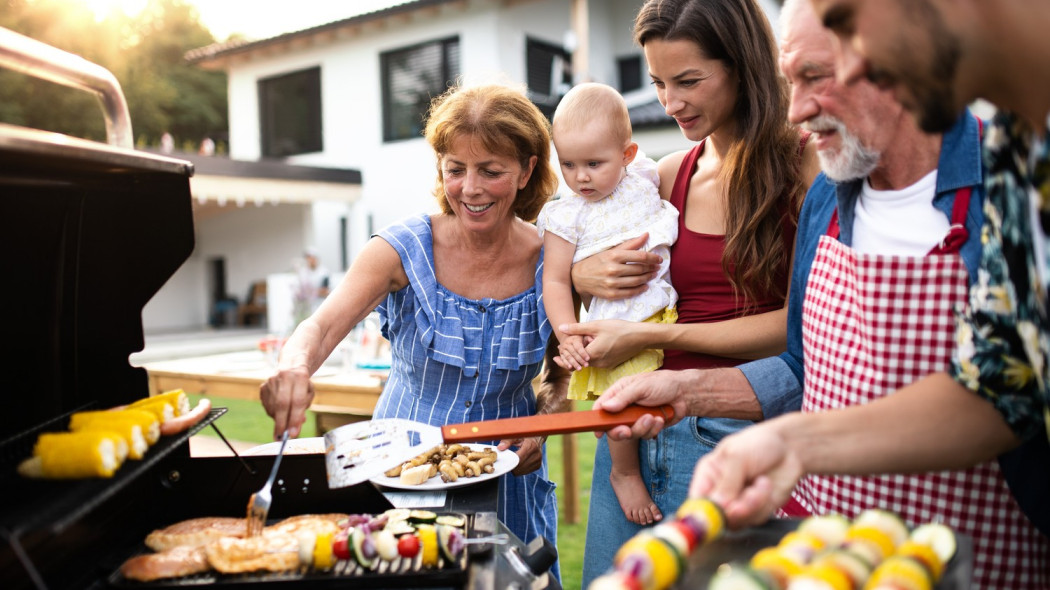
{"points": [[259, 503], [496, 539]]}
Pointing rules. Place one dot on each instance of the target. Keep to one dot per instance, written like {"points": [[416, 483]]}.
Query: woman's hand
{"points": [[609, 342], [286, 397], [530, 453], [617, 273]]}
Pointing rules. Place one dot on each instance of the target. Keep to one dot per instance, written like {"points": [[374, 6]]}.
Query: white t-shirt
{"points": [[899, 222]]}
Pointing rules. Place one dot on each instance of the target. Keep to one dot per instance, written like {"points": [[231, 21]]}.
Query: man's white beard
{"points": [[852, 160]]}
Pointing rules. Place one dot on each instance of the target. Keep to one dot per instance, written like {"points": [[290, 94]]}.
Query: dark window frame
{"points": [[403, 120], [630, 71], [290, 121], [540, 73]]}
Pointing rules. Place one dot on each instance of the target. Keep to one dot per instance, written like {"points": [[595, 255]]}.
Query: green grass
{"points": [[246, 421]]}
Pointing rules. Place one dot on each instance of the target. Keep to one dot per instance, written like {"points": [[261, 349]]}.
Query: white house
{"points": [[251, 221], [350, 94]]}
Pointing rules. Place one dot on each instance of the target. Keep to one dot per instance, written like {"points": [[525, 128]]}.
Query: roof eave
{"points": [[220, 56]]}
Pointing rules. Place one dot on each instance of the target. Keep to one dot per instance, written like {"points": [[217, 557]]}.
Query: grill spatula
{"points": [[360, 451]]}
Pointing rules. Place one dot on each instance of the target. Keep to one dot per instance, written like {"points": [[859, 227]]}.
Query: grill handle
{"points": [[29, 56]]}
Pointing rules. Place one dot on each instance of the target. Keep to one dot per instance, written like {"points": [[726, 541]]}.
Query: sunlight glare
{"points": [[103, 8]]}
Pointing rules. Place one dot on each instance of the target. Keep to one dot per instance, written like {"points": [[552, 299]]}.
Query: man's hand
{"points": [[750, 474], [673, 388], [286, 397], [617, 273]]}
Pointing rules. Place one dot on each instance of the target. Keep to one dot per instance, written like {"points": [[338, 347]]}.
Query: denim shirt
{"points": [[777, 381]]}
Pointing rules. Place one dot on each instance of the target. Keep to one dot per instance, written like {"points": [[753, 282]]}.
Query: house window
{"points": [[290, 113], [630, 69], [548, 71], [411, 77]]}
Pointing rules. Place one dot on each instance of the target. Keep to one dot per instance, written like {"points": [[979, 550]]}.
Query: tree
{"points": [[144, 52]]}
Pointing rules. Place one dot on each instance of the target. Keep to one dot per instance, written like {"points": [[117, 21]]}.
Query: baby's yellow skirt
{"points": [[590, 382]]}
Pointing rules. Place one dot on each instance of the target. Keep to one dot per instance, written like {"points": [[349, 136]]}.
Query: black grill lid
{"points": [[89, 233]]}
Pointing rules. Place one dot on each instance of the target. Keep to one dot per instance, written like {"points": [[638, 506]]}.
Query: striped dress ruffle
{"points": [[462, 360]]}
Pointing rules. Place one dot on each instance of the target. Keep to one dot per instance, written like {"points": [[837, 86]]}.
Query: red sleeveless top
{"points": [[704, 291]]}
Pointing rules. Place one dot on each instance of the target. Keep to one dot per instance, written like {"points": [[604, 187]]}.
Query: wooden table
{"points": [[340, 396]]}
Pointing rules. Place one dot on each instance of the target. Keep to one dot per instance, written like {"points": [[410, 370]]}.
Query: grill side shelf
{"points": [[52, 506]]}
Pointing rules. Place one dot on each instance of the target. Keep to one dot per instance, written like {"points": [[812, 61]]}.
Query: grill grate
{"points": [[54, 506], [398, 573], [402, 573]]}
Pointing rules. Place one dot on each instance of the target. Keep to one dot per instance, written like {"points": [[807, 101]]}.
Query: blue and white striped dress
{"points": [[462, 360]]}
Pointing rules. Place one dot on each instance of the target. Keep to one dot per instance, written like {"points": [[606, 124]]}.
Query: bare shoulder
{"points": [[378, 258], [668, 167], [670, 163], [528, 238]]}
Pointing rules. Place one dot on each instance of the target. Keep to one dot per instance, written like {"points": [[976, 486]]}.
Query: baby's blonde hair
{"points": [[592, 101]]}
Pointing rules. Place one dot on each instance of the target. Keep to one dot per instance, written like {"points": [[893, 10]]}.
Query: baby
{"points": [[615, 198]]}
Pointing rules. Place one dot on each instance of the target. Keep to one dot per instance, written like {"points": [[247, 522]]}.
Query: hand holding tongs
{"points": [[259, 503]]}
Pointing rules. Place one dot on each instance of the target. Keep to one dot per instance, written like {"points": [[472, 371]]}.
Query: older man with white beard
{"points": [[896, 209], [883, 259]]}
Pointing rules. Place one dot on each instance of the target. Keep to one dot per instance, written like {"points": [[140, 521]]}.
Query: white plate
{"points": [[295, 446], [505, 461]]}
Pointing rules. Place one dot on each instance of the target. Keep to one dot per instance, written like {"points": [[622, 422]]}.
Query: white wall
{"points": [[256, 242], [181, 303]]}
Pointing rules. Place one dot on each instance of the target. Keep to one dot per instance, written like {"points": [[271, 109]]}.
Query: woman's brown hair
{"points": [[762, 170], [506, 123]]}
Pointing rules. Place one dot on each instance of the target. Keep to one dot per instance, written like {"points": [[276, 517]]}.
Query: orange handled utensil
{"points": [[548, 424], [360, 451]]}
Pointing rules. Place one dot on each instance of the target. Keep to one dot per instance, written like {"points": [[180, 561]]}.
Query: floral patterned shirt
{"points": [[1004, 335]]}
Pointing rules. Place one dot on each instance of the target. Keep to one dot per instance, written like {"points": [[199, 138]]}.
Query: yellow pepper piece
{"points": [[710, 512], [429, 541], [777, 564], [829, 575], [902, 572], [323, 556], [666, 564], [925, 555], [802, 538], [872, 536]]}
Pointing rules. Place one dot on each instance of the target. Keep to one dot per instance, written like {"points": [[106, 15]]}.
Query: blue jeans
{"points": [[667, 463]]}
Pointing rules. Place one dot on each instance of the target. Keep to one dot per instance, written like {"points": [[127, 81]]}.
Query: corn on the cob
{"points": [[180, 403], [69, 455], [161, 408], [139, 427]]}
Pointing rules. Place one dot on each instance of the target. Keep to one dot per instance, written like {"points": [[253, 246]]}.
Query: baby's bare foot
{"points": [[635, 501]]}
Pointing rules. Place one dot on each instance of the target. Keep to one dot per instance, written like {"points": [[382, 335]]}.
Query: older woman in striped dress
{"points": [[459, 294]]}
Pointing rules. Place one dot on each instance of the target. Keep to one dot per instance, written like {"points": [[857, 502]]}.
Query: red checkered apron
{"points": [[870, 325]]}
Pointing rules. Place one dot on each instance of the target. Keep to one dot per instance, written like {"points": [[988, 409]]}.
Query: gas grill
{"points": [[91, 232]]}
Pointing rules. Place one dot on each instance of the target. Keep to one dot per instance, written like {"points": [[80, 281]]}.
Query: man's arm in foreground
{"points": [[753, 391], [932, 424], [724, 393]]}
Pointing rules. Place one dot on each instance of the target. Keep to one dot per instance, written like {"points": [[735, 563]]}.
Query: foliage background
{"points": [[144, 52]]}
